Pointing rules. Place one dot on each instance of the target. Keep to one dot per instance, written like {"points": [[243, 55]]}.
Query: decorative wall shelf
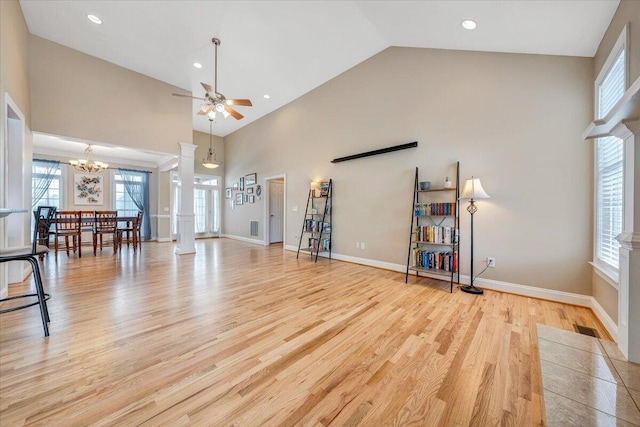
{"points": [[627, 109]]}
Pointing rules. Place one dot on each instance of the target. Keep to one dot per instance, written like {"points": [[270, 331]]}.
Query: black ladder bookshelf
{"points": [[434, 241], [317, 224]]}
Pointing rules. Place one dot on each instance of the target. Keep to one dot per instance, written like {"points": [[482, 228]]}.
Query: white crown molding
{"points": [[626, 111], [629, 240]]}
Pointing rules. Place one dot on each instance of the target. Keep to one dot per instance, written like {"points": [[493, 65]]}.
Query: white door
{"points": [[276, 211]]}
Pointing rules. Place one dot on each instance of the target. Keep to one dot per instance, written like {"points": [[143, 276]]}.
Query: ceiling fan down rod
{"points": [[216, 42]]}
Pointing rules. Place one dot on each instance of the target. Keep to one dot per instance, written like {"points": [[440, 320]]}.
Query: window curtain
{"points": [[41, 180], [139, 193]]}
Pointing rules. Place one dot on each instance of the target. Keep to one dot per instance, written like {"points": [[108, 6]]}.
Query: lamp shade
{"points": [[473, 190]]}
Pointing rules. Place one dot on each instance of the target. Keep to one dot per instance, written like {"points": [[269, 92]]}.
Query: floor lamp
{"points": [[472, 190]]}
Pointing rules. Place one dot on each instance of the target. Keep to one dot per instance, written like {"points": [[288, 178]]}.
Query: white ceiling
{"points": [[287, 48]]}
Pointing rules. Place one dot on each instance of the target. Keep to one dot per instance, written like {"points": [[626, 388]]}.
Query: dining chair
{"points": [[44, 216], [135, 228], [29, 254], [68, 224], [106, 222]]}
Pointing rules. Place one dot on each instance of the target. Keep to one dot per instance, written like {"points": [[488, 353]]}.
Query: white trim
{"points": [[164, 239], [4, 293], [265, 193], [604, 318], [161, 216], [245, 239], [621, 43], [609, 275]]}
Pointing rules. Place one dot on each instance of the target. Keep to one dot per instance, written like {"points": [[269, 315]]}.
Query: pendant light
{"points": [[210, 162], [88, 164]]}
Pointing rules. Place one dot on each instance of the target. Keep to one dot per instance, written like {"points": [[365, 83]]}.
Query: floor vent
{"points": [[254, 228], [585, 330]]}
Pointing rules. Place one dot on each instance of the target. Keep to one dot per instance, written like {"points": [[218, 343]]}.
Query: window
{"points": [[124, 204], [46, 181], [609, 159]]}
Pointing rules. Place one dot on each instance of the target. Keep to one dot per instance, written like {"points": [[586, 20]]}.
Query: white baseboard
{"points": [[496, 285], [4, 292], [605, 319], [164, 239], [245, 239]]}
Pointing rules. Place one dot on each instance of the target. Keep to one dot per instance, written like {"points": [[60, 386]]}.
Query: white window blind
{"points": [[609, 198], [611, 89]]}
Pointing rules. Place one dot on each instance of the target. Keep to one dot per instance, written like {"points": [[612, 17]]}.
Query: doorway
{"points": [[275, 214], [206, 205], [16, 173]]}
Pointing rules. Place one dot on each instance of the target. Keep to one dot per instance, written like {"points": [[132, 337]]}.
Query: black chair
{"points": [[30, 254], [44, 216]]}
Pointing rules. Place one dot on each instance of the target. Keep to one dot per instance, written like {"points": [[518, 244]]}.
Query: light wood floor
{"points": [[248, 335]]}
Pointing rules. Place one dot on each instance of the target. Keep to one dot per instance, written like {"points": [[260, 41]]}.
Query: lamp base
{"points": [[470, 289]]}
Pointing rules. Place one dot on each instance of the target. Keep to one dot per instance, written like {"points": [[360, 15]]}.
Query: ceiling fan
{"points": [[215, 101]]}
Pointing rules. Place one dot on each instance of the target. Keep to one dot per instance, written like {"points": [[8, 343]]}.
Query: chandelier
{"points": [[88, 164], [210, 162]]}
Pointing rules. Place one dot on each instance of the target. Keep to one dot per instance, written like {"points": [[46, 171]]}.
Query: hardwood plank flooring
{"points": [[240, 334]]}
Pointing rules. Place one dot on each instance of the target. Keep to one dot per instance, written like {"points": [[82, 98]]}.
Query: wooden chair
{"points": [[106, 222], [29, 254], [68, 224], [135, 228]]}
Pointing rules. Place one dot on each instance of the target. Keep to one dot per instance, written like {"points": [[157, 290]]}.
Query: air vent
{"points": [[585, 330], [254, 228]]}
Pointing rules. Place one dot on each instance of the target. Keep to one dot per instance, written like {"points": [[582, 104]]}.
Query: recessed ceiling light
{"points": [[267, 96], [94, 19], [197, 65], [468, 24]]}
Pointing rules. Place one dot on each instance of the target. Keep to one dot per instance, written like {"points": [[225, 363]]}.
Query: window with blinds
{"points": [[609, 159], [609, 198]]}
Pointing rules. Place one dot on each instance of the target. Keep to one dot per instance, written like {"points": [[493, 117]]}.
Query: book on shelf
{"points": [[435, 209], [445, 261], [436, 234]]}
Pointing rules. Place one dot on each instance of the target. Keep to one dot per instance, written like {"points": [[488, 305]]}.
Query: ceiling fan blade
{"points": [[245, 102], [209, 89], [234, 113], [187, 96], [205, 112]]}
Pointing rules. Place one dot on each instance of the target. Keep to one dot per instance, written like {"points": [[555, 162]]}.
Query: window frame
{"points": [[602, 267], [61, 190], [114, 193]]}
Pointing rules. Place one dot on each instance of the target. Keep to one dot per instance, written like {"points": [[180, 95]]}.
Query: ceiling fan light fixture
{"points": [[212, 115], [225, 114], [219, 106]]}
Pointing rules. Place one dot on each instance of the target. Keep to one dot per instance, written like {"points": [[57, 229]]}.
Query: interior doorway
{"points": [[275, 214], [17, 172]]}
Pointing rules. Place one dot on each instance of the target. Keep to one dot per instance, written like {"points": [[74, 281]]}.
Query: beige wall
{"points": [[628, 12], [14, 81], [513, 120], [606, 295], [84, 97]]}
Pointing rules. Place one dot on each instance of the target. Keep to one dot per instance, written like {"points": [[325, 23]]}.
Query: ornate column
{"points": [[186, 221], [629, 279]]}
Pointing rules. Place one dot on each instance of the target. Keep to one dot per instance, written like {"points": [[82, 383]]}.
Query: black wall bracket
{"points": [[376, 152]]}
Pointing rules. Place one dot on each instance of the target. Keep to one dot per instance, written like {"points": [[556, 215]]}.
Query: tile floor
{"points": [[587, 381]]}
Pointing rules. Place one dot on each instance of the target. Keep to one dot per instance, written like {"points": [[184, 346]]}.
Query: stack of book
{"points": [[435, 234], [435, 209], [445, 261]]}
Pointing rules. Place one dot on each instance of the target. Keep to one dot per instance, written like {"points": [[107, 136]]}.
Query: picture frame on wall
{"points": [[227, 193], [88, 189], [242, 183], [235, 185], [250, 179], [246, 198], [252, 199], [239, 198], [249, 190]]}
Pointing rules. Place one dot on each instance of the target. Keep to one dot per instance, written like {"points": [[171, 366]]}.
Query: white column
{"points": [[186, 224], [629, 280]]}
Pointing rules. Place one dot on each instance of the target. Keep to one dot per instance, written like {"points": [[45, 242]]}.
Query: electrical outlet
{"points": [[296, 237], [362, 245], [357, 245], [294, 209], [491, 262]]}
